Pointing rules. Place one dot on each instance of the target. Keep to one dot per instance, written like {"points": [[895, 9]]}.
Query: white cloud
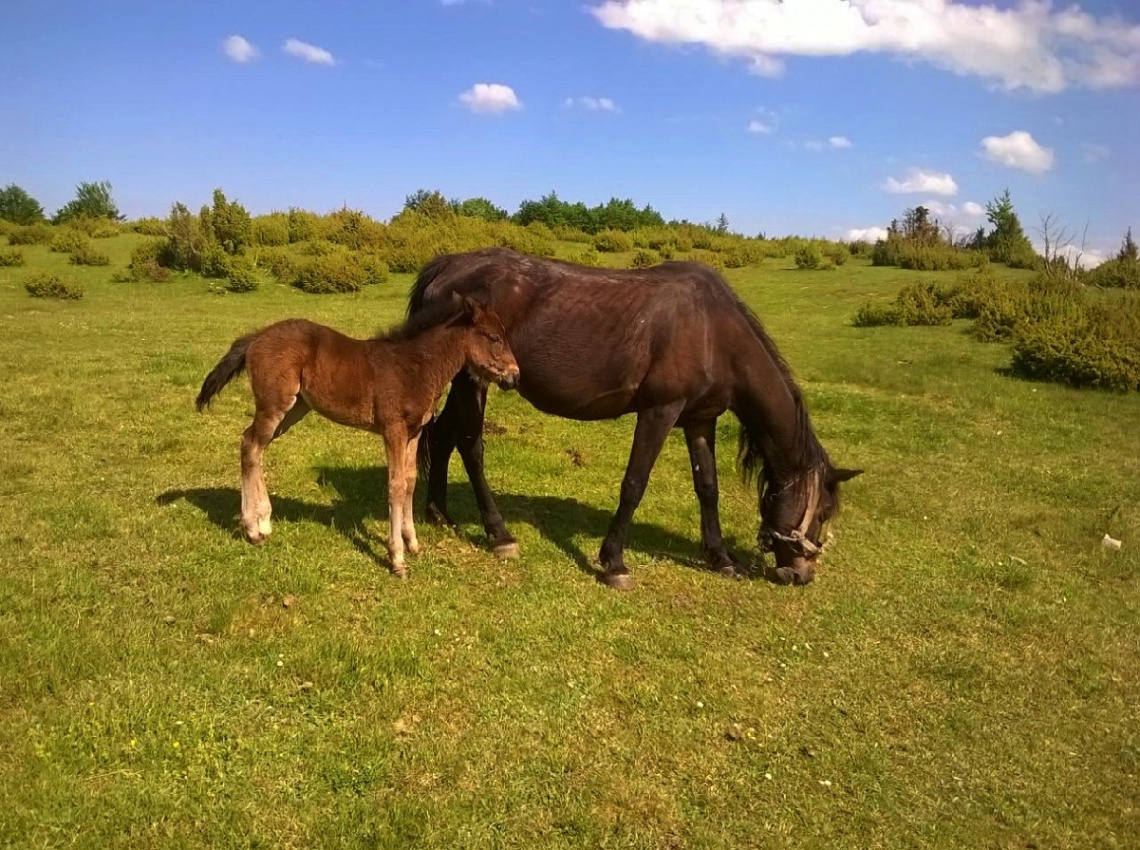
{"points": [[839, 142], [973, 210], [593, 104], [1095, 153], [1028, 45], [866, 234], [813, 145], [1018, 150], [490, 98], [308, 52], [239, 50], [765, 122], [917, 180], [958, 214]]}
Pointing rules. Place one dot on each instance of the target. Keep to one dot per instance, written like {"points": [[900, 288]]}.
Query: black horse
{"points": [[671, 343]]}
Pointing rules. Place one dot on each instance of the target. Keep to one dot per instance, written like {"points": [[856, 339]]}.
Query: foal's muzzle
{"points": [[510, 381]]}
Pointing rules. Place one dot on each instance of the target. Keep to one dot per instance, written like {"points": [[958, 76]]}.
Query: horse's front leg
{"points": [[396, 442], [471, 402], [653, 426], [701, 439]]}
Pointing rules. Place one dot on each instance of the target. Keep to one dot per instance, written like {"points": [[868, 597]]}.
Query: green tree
{"points": [[1007, 242], [227, 223], [478, 208], [721, 224], [1128, 250], [18, 207], [431, 204], [92, 200]]}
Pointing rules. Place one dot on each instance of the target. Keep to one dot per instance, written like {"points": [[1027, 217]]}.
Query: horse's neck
{"points": [[429, 360], [771, 411]]}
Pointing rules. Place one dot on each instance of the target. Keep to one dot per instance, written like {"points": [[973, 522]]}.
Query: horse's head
{"points": [[488, 354], [793, 516]]}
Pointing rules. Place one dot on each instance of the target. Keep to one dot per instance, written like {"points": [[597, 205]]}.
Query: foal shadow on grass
{"points": [[361, 495]]}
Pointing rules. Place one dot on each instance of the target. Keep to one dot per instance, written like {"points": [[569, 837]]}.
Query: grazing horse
{"points": [[389, 385], [671, 343]]}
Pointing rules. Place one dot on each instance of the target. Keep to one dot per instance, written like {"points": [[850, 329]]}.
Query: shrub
{"points": [[375, 269], [613, 242], [105, 231], [11, 257], [148, 226], [303, 225], [68, 239], [588, 257], [924, 303], [186, 241], [809, 256], [32, 234], [317, 248], [337, 272], [88, 255], [215, 263], [44, 285], [644, 258], [1119, 273], [1094, 345], [667, 251], [566, 233], [684, 244], [871, 315], [241, 279], [226, 223], [353, 229], [280, 262], [837, 253], [144, 265], [271, 229], [709, 258]]}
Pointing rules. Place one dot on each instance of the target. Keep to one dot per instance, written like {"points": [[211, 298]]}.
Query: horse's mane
{"points": [[807, 452]]}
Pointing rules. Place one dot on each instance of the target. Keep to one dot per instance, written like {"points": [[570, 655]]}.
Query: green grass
{"points": [[964, 672]]}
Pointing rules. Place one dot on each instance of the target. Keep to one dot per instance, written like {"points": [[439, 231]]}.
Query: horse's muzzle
{"points": [[510, 381]]}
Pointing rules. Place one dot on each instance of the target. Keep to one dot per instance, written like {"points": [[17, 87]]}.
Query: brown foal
{"points": [[389, 385]]}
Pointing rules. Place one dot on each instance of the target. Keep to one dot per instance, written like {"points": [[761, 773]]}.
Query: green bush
{"points": [[337, 272], [186, 241], [317, 248], [88, 255], [67, 240], [871, 315], [44, 285], [281, 263], [226, 223], [613, 242], [148, 226], [644, 258], [31, 234], [1119, 273], [215, 263], [684, 244], [566, 233], [271, 229], [241, 279], [667, 251], [809, 256], [145, 265], [11, 257], [1095, 345], [588, 257], [105, 231], [354, 230], [924, 303], [837, 253], [710, 259], [303, 225], [375, 269]]}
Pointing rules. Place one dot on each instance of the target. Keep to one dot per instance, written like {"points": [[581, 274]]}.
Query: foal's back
{"points": [[331, 372]]}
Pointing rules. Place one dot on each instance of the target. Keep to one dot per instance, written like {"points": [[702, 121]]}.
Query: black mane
{"points": [[430, 316]]}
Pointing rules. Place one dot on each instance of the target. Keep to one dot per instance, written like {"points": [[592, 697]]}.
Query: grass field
{"points": [[965, 672]]}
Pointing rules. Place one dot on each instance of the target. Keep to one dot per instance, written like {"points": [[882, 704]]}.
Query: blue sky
{"points": [[844, 98]]}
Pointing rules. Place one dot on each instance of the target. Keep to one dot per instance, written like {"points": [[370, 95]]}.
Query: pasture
{"points": [[964, 672]]}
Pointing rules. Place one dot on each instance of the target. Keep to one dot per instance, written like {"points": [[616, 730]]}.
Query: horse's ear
{"points": [[838, 476], [470, 309]]}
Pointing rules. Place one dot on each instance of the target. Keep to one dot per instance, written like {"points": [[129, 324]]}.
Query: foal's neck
{"points": [[430, 359]]}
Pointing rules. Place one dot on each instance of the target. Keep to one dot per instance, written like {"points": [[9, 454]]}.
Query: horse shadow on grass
{"points": [[360, 495]]}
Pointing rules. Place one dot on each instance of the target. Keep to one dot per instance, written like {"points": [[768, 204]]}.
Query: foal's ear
{"points": [[838, 476]]}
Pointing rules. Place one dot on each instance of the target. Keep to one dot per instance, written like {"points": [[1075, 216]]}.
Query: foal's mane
{"points": [[424, 319], [807, 452]]}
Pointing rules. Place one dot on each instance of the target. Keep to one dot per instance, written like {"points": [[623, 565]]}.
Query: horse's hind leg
{"points": [[409, 528], [268, 424], [701, 439]]}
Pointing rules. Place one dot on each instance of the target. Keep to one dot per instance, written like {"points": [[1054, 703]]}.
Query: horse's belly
{"points": [[575, 393]]}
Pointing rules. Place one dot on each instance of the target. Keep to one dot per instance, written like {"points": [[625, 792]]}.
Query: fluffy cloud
{"points": [[917, 180], [490, 98], [866, 234], [765, 122], [308, 52], [1018, 150], [239, 50], [1095, 153], [1028, 45], [961, 214], [839, 142], [594, 104]]}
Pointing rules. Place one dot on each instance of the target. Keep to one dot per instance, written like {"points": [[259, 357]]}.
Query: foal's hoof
{"points": [[506, 551], [399, 572], [616, 581], [729, 571], [256, 537]]}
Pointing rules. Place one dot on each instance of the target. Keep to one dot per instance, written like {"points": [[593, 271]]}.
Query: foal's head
{"points": [[794, 514], [488, 354]]}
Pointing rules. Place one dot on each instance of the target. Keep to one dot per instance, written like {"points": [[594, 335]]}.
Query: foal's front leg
{"points": [[396, 443], [409, 527]]}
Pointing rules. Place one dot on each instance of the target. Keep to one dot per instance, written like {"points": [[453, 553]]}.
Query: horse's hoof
{"points": [[793, 575], [617, 581], [413, 547], [255, 537], [399, 572], [438, 516], [506, 551], [729, 571]]}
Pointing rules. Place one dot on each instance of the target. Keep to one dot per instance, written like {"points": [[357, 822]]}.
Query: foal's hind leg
{"points": [[396, 443], [409, 528], [701, 439], [268, 424]]}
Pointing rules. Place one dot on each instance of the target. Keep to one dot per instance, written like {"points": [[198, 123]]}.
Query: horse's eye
{"points": [[495, 338]]}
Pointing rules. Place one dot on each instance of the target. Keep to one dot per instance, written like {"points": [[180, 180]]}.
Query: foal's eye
{"points": [[495, 338]]}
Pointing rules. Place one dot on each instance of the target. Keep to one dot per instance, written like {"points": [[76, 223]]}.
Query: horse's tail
{"points": [[424, 279], [423, 453], [228, 368]]}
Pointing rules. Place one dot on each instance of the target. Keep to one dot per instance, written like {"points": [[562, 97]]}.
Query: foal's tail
{"points": [[228, 368]]}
